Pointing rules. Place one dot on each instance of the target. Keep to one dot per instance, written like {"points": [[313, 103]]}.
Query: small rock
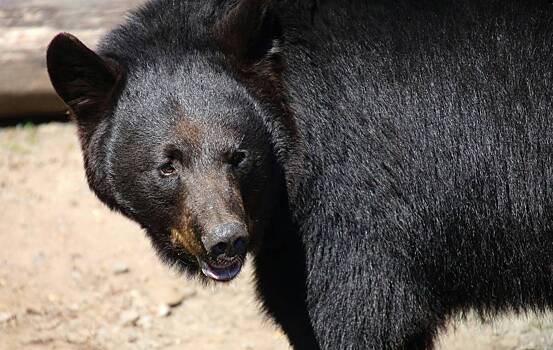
{"points": [[167, 342], [178, 297], [163, 310], [6, 317], [129, 318], [37, 340], [171, 295], [33, 311], [145, 322], [76, 256], [76, 275], [39, 259], [133, 338], [120, 268], [103, 334], [137, 299], [50, 325], [76, 338], [154, 344]]}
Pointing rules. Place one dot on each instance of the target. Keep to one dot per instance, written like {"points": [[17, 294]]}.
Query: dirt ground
{"points": [[75, 276]]}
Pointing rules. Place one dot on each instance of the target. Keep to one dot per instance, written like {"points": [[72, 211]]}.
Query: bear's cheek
{"points": [[184, 237]]}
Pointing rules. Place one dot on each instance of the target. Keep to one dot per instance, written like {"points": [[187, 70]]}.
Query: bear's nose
{"points": [[226, 241]]}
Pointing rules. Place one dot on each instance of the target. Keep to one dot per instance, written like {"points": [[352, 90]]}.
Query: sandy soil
{"points": [[75, 276]]}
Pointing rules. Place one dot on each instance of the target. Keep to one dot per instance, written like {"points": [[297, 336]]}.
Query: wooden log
{"points": [[26, 28]]}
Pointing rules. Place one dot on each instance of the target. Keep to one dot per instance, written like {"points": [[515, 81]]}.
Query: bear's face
{"points": [[191, 161], [179, 145]]}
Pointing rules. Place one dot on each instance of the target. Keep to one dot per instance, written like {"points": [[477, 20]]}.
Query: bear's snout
{"points": [[226, 241], [226, 246]]}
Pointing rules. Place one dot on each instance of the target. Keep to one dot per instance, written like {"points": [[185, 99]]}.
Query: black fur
{"points": [[404, 151]]}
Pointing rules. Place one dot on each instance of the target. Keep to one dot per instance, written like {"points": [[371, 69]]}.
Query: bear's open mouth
{"points": [[222, 272]]}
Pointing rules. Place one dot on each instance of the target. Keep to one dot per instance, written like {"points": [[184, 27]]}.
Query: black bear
{"points": [[387, 163]]}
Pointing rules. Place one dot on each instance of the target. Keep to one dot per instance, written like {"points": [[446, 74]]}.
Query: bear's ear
{"points": [[249, 31], [84, 80], [87, 83]]}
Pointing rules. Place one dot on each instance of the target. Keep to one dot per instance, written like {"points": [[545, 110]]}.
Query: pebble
{"points": [[137, 299], [50, 325], [6, 317], [37, 340], [97, 214], [133, 338], [103, 334], [179, 297], [145, 322], [76, 275], [171, 295], [121, 268], [76, 338], [163, 310], [154, 344], [33, 310], [39, 258], [129, 318]]}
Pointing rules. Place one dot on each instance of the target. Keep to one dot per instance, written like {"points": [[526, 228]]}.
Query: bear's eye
{"points": [[167, 169], [237, 157]]}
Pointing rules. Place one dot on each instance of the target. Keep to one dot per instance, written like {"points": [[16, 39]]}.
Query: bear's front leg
{"points": [[280, 276], [354, 304]]}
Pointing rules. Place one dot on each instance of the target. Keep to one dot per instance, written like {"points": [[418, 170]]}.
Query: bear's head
{"points": [[183, 123]]}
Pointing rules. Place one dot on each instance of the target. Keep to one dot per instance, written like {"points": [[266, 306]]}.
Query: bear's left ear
{"points": [[249, 31]]}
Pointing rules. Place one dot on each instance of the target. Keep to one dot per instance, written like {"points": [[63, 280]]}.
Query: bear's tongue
{"points": [[225, 273]]}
